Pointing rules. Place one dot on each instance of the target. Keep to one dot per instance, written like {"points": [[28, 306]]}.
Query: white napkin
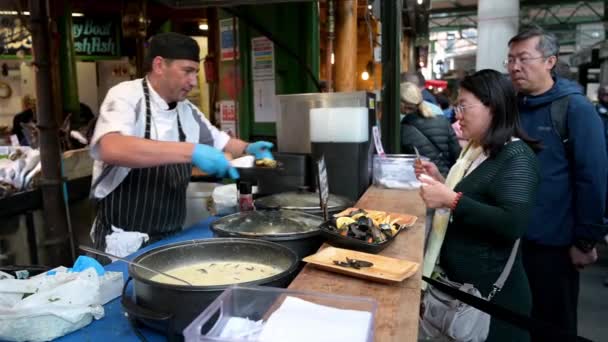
{"points": [[300, 321], [121, 243], [242, 329], [244, 161]]}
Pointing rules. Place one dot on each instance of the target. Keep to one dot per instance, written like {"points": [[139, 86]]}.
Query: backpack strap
{"points": [[559, 118]]}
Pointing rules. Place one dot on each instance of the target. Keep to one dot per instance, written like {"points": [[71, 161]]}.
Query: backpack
{"points": [[559, 118]]}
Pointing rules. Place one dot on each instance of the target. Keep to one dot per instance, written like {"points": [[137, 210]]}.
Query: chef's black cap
{"points": [[172, 45]]}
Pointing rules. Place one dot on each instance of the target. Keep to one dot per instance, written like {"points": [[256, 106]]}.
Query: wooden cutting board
{"points": [[384, 270], [404, 219]]}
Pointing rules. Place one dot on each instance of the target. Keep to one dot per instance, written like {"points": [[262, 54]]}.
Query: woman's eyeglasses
{"points": [[461, 108]]}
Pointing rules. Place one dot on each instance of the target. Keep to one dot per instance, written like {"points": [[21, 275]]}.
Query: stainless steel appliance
{"points": [[348, 164], [293, 131]]}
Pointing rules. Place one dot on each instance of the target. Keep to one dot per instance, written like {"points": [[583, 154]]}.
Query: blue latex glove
{"points": [[82, 263], [213, 162], [260, 149]]}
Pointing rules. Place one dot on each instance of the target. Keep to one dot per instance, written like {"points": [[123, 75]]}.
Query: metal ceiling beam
{"points": [[545, 16]]}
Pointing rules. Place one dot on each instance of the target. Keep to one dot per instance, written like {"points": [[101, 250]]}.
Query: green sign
{"points": [[95, 37], [92, 36]]}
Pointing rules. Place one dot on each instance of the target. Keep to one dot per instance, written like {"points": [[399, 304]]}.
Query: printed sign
{"points": [[92, 36], [265, 103], [228, 40], [228, 117], [14, 37], [323, 186], [95, 37], [262, 57], [227, 111]]}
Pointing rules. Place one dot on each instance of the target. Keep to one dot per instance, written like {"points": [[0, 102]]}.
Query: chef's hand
{"points": [[260, 150], [435, 194], [428, 168], [581, 259], [213, 162]]}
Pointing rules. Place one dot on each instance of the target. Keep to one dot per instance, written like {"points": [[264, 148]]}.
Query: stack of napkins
{"points": [[297, 320]]}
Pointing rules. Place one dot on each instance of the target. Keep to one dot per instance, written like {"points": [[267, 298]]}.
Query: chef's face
{"points": [[179, 77]]}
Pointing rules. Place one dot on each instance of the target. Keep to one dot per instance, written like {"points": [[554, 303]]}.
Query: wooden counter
{"points": [[398, 304]]}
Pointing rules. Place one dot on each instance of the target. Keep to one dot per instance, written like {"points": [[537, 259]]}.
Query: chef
{"points": [[148, 136]]}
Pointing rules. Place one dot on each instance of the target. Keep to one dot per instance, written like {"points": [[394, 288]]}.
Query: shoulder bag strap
{"points": [[500, 282]]}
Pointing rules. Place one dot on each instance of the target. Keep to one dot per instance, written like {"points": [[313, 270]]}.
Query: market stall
{"points": [[397, 314]]}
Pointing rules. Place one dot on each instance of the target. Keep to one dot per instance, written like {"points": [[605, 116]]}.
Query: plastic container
{"points": [[395, 171], [260, 303], [345, 124]]}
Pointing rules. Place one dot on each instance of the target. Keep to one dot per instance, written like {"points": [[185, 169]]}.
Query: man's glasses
{"points": [[522, 60]]}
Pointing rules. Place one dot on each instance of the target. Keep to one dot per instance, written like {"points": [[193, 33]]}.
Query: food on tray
{"points": [[217, 273], [266, 162], [354, 263], [371, 227]]}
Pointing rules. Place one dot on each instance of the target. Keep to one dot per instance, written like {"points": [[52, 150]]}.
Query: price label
{"points": [[323, 186], [378, 141], [14, 140]]}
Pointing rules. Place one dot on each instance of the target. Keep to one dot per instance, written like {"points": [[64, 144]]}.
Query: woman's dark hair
{"points": [[495, 91]]}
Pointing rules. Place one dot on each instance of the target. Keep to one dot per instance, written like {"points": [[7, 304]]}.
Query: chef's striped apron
{"points": [[149, 200]]}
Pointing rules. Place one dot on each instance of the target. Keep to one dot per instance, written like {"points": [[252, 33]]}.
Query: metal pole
{"points": [[390, 13], [58, 241]]}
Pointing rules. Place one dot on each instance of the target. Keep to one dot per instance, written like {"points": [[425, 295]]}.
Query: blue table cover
{"points": [[114, 326]]}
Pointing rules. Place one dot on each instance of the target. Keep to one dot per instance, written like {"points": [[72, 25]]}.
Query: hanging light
{"points": [[369, 70], [203, 26], [420, 2]]}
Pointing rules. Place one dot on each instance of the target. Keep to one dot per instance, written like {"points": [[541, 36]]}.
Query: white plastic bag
{"points": [[44, 308]]}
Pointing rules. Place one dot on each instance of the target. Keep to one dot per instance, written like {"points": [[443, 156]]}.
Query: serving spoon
{"points": [[108, 255]]}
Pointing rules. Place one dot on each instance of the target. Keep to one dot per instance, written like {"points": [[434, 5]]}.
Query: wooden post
{"points": [[346, 45], [58, 239]]}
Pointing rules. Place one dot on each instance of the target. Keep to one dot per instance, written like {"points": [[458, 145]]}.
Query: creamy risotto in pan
{"points": [[218, 273]]}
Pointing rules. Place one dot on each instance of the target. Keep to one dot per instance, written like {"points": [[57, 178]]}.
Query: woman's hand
{"points": [[422, 167], [436, 194]]}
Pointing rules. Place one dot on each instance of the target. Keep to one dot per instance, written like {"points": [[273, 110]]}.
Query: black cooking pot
{"points": [[170, 308], [295, 230]]}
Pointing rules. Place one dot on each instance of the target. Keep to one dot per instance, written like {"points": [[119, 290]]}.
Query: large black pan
{"points": [[171, 308]]}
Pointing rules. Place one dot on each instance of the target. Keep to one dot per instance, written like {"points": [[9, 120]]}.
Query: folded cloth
{"points": [[122, 243]]}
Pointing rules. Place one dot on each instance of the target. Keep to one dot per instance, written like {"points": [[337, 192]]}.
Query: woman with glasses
{"points": [[489, 192], [431, 135]]}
